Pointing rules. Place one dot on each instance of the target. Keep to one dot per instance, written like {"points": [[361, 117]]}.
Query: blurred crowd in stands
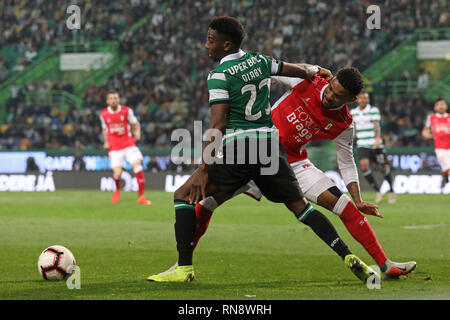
{"points": [[164, 79], [31, 27]]}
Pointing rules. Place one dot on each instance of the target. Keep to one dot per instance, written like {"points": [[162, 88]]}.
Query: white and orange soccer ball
{"points": [[56, 263]]}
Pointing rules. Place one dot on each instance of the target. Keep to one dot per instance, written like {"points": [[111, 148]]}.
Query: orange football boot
{"points": [[143, 200], [116, 196]]}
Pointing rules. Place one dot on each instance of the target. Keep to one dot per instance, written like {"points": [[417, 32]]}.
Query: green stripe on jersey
{"points": [[367, 114], [364, 124], [365, 130], [244, 83]]}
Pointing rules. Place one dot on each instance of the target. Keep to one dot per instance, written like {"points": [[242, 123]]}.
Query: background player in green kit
{"points": [[370, 144], [239, 97]]}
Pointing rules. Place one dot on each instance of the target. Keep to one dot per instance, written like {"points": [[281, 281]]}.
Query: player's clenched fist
{"points": [[325, 73]]}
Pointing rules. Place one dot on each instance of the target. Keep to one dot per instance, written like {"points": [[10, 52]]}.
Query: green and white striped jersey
{"points": [[364, 119], [243, 80]]}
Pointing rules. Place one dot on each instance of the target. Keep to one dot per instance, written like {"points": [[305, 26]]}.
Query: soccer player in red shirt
{"points": [[315, 109], [437, 126], [120, 130]]}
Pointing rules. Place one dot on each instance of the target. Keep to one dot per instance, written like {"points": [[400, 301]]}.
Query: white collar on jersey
{"points": [[233, 56], [441, 115], [368, 106], [110, 110], [323, 90]]}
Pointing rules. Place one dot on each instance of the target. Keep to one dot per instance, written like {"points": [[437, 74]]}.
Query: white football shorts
{"points": [[118, 157], [313, 181], [443, 157]]}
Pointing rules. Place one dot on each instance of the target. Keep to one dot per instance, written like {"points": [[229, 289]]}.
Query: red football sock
{"points": [[360, 229], [203, 218], [141, 182], [117, 181]]}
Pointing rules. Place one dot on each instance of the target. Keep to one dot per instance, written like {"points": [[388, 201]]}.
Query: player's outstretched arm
{"points": [[286, 81], [349, 172], [304, 71]]}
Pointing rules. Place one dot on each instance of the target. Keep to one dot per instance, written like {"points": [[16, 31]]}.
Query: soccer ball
{"points": [[56, 263]]}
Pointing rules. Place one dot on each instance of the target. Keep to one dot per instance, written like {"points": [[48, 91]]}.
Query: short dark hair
{"points": [[350, 78], [439, 99], [111, 91], [230, 28]]}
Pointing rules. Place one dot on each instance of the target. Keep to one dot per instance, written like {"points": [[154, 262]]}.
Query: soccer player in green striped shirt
{"points": [[239, 98], [370, 144]]}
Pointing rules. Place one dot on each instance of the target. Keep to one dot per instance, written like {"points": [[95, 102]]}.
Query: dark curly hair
{"points": [[350, 78], [229, 28]]}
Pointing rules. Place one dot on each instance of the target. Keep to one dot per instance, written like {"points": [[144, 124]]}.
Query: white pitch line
{"points": [[426, 226]]}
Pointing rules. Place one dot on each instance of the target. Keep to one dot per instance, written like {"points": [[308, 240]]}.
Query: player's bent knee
{"points": [[335, 191], [329, 198], [364, 165]]}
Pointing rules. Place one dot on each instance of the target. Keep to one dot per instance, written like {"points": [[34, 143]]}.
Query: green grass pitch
{"points": [[251, 250]]}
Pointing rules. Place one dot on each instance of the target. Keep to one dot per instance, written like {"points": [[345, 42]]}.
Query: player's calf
{"points": [[324, 229], [203, 212], [185, 226], [359, 228], [139, 173]]}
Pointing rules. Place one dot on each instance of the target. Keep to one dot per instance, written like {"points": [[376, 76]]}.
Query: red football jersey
{"points": [[301, 118], [440, 125], [117, 125]]}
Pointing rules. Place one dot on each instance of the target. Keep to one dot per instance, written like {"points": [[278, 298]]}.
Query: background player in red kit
{"points": [[120, 131], [315, 110], [437, 126]]}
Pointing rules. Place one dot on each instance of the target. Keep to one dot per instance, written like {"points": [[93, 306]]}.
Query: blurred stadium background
{"points": [[53, 79]]}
